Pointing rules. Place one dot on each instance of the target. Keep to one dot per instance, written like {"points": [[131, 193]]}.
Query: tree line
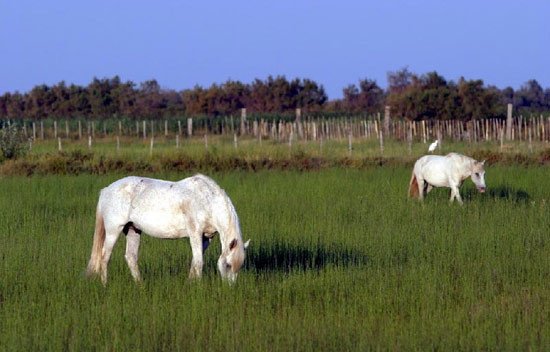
{"points": [[411, 96]]}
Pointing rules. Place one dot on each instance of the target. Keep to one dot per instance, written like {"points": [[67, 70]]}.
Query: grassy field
{"points": [[218, 154], [339, 260]]}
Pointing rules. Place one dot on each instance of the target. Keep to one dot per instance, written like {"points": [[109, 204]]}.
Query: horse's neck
{"points": [[231, 230], [466, 166]]}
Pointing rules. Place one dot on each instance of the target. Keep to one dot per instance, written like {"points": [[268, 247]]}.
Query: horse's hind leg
{"points": [[428, 188], [420, 182], [206, 239], [132, 248], [111, 236]]}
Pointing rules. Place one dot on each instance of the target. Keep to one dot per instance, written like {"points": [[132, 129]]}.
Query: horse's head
{"points": [[231, 260], [478, 175]]}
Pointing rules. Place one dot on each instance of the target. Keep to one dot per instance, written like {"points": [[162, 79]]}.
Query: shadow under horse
{"points": [[286, 257], [500, 192]]}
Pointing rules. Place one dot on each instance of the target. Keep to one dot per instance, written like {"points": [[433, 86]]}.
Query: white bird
{"points": [[433, 146]]}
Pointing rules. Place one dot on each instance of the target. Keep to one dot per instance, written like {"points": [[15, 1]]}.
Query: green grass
{"points": [[220, 155], [339, 260]]}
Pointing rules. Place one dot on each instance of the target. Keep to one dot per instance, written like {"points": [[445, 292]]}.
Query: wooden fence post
{"points": [[509, 122], [410, 137], [387, 118], [529, 127], [381, 143], [189, 127], [290, 138], [298, 121], [255, 128]]}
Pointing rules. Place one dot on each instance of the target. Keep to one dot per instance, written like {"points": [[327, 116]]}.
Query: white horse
{"points": [[195, 207], [445, 171]]}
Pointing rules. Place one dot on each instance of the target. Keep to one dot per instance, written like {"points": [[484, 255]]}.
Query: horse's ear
{"points": [[483, 162], [233, 244], [246, 244]]}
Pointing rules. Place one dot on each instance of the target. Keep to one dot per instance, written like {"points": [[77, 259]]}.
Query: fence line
{"points": [[518, 128]]}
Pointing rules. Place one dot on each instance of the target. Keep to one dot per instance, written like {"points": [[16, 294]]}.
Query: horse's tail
{"points": [[94, 265], [414, 192]]}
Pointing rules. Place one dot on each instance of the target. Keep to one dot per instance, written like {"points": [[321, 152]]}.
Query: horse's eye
{"points": [[477, 174]]}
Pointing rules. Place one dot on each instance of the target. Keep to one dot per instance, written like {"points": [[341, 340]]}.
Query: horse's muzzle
{"points": [[481, 189]]}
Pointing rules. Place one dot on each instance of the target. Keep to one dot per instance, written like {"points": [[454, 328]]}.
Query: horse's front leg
{"points": [[455, 194], [197, 262]]}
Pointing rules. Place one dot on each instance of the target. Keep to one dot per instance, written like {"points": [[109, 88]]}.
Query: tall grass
{"points": [[339, 260], [220, 154]]}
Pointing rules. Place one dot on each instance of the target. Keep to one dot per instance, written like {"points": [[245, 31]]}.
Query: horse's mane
{"points": [[461, 157]]}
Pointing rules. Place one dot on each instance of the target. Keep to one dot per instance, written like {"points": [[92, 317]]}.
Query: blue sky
{"points": [[336, 43]]}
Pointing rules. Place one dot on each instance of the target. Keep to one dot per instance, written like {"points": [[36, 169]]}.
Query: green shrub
{"points": [[12, 142]]}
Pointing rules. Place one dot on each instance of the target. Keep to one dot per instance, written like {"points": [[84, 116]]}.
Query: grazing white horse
{"points": [[195, 207], [445, 171]]}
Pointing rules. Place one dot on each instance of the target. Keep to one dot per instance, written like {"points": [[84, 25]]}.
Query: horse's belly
{"points": [[436, 179], [160, 223]]}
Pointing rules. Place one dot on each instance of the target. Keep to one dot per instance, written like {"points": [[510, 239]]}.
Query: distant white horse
{"points": [[195, 207], [445, 171]]}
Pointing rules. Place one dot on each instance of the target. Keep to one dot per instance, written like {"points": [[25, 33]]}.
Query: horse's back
{"points": [[429, 161], [122, 188], [201, 183], [202, 187]]}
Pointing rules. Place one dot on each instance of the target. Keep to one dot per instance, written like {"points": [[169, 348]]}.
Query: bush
{"points": [[12, 142]]}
